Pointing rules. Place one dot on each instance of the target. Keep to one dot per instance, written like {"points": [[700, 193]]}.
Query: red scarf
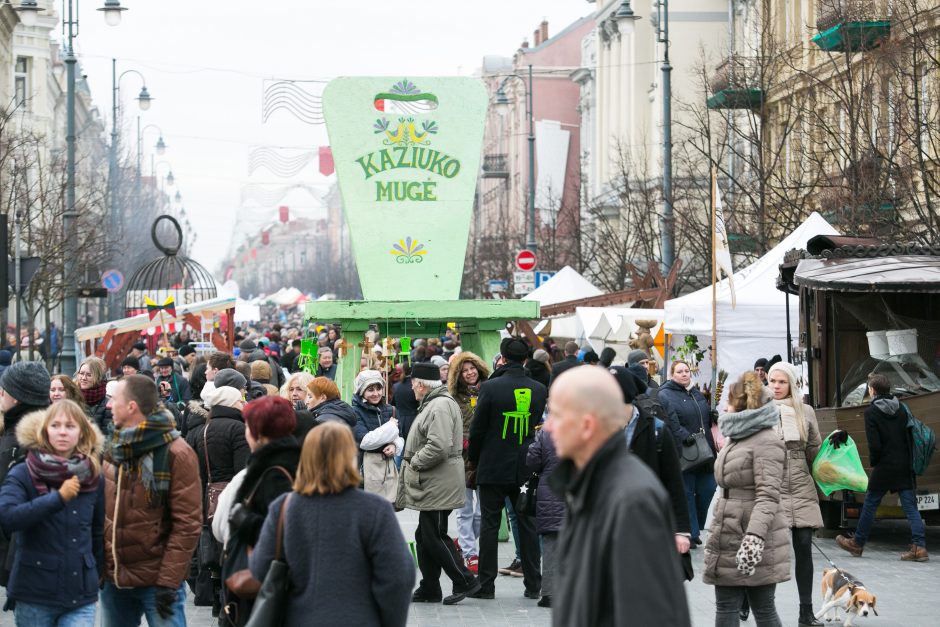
{"points": [[95, 394], [48, 471]]}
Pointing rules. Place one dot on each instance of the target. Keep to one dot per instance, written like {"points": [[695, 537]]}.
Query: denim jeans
{"points": [[699, 490], [123, 607], [728, 601], [908, 504], [468, 524], [36, 615]]}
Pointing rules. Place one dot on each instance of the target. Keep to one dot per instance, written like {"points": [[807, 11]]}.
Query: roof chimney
{"points": [[525, 43], [537, 37], [543, 28]]}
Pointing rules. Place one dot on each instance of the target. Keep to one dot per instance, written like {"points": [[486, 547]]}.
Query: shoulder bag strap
{"points": [[177, 387], [283, 471], [279, 547], [205, 451]]}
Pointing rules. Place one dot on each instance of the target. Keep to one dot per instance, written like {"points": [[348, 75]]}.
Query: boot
{"points": [[807, 617], [916, 554], [850, 545]]}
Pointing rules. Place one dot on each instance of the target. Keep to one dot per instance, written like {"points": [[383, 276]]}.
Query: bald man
{"points": [[616, 550]]}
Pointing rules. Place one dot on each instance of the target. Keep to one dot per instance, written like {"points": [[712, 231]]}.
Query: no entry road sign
{"points": [[525, 260], [112, 280]]}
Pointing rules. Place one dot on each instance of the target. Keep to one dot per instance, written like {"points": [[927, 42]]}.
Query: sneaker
{"points": [[473, 564], [916, 554], [532, 594], [513, 569], [422, 596], [545, 601], [850, 545], [463, 592]]}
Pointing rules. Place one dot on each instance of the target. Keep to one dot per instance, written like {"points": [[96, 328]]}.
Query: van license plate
{"points": [[928, 501]]}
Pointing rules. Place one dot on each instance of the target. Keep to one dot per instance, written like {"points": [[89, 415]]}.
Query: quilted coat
{"points": [[749, 472], [549, 507], [798, 496]]}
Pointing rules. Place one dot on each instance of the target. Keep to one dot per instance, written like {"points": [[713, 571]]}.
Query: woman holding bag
{"points": [[58, 488], [331, 522], [377, 435], [798, 497], [690, 415], [747, 552]]}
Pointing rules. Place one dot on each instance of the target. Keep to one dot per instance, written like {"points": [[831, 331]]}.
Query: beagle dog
{"points": [[840, 590]]}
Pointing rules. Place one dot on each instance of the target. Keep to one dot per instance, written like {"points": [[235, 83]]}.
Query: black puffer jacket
{"points": [[549, 507], [509, 407], [284, 452], [101, 415], [224, 436], [335, 409], [369, 417], [889, 449], [539, 372]]}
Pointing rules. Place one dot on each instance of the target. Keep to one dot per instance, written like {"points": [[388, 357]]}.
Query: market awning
{"points": [[141, 322], [900, 273]]}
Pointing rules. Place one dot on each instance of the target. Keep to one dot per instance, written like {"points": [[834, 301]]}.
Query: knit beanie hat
{"points": [[369, 377], [636, 356], [438, 361], [229, 377], [224, 396], [133, 362], [28, 382], [792, 373], [541, 355]]}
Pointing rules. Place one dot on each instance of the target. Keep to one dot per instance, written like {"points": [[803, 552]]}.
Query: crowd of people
{"points": [[124, 490]]}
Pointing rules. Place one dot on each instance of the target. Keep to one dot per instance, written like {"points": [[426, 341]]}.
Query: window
{"points": [[21, 81]]}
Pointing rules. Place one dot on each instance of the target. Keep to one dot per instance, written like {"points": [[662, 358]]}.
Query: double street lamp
{"points": [[502, 100], [28, 10]]}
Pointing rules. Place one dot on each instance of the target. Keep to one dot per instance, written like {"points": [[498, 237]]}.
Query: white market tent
{"points": [[142, 322], [758, 326], [567, 284]]}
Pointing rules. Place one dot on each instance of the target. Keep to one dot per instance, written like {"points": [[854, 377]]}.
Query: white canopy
{"points": [[142, 321], [603, 326], [566, 285], [758, 326]]}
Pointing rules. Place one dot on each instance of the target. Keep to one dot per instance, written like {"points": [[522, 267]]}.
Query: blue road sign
{"points": [[542, 277], [112, 280]]}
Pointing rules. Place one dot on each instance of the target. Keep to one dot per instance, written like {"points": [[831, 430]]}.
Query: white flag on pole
{"points": [[722, 250]]}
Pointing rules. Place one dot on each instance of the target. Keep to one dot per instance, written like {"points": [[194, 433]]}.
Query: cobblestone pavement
{"points": [[907, 593]]}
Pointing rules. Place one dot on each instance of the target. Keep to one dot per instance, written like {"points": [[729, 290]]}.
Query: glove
{"points": [[689, 441], [164, 598], [838, 438], [749, 554]]}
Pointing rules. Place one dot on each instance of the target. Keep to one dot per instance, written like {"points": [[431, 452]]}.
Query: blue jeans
{"points": [[908, 504], [699, 490], [124, 607], [35, 615]]}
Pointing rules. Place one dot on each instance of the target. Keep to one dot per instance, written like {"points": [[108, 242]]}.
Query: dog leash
{"points": [[845, 575]]}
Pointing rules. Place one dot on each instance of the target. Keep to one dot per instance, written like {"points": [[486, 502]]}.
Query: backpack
{"points": [[923, 442], [651, 406]]}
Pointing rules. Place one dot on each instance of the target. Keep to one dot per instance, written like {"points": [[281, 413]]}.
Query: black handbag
{"points": [[528, 496], [696, 454], [271, 603]]}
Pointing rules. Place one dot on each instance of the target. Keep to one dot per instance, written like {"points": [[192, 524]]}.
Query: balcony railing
{"points": [[494, 167], [851, 25], [735, 85]]}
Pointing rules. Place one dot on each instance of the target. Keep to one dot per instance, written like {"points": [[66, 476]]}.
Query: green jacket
{"points": [[432, 472]]}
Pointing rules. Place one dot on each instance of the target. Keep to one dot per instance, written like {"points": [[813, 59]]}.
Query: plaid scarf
{"points": [[48, 470], [95, 394], [143, 451]]}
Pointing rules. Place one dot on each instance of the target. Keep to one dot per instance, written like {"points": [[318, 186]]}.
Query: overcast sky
{"points": [[205, 62]]}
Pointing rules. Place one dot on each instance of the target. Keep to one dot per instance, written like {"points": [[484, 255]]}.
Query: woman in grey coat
{"points": [[549, 509], [748, 548], [347, 557]]}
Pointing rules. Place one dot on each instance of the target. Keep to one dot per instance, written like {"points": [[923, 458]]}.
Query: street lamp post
{"points": [[112, 11], [668, 220], [501, 99], [143, 100]]}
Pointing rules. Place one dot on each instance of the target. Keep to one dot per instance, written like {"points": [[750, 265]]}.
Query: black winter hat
{"points": [[165, 361], [630, 386], [231, 378], [514, 349], [186, 349], [140, 346], [247, 345], [133, 362], [426, 370], [761, 363], [28, 382]]}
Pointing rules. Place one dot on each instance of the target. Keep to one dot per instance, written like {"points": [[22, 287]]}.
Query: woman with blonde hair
{"points": [[295, 390], [798, 496], [92, 380], [59, 487], [747, 552], [328, 521]]}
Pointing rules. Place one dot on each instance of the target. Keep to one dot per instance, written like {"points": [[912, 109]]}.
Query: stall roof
{"points": [[141, 322], [899, 273]]}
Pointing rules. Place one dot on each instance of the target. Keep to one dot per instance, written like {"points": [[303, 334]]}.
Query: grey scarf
{"points": [[739, 425]]}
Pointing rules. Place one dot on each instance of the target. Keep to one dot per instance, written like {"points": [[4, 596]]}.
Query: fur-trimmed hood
{"points": [[27, 431], [456, 364]]}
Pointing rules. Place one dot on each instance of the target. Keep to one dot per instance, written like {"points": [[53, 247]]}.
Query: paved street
{"points": [[907, 593]]}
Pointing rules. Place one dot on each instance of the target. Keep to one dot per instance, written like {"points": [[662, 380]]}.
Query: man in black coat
{"points": [[616, 549], [889, 449], [404, 401], [570, 361], [652, 442], [508, 408]]}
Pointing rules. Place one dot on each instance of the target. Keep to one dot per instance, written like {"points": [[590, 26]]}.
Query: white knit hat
{"points": [[366, 378], [793, 373], [225, 396]]}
